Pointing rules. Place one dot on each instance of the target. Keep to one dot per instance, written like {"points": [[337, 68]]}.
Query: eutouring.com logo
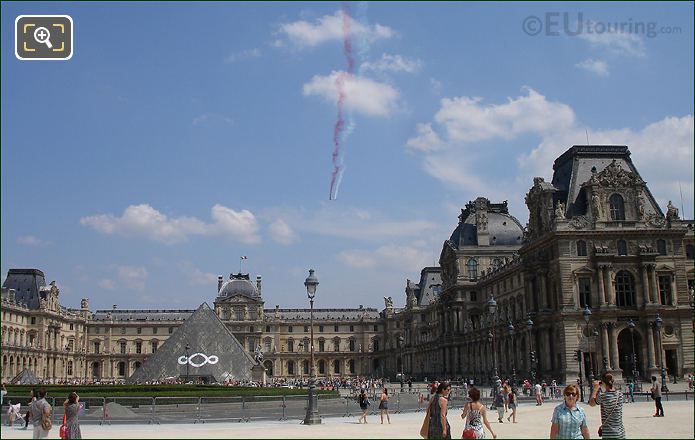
{"points": [[555, 24]]}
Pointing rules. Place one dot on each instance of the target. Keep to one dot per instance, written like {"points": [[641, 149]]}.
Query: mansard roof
{"points": [[578, 164], [27, 284]]}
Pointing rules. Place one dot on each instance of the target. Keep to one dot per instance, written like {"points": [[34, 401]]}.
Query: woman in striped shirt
{"points": [[611, 402]]}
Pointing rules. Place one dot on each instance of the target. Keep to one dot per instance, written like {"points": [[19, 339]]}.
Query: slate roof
{"points": [[322, 314], [208, 339], [574, 167], [429, 287], [27, 284], [142, 315]]}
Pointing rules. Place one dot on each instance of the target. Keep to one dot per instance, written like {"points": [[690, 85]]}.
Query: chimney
{"points": [[258, 284], [114, 306], [219, 283]]}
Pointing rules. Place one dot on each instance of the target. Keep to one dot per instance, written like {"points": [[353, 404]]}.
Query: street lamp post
{"points": [[532, 354], [658, 322], [635, 373], [492, 311], [587, 316], [510, 327], [401, 341], [187, 347], [312, 411]]}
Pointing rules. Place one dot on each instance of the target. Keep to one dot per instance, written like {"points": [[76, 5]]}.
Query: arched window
{"points": [[322, 367], [305, 367], [336, 366], [472, 269], [661, 247], [121, 368], [622, 247], [351, 364], [268, 344], [376, 345], [306, 345], [581, 248], [336, 344], [69, 367], [290, 346], [625, 289], [290, 368], [617, 207]]}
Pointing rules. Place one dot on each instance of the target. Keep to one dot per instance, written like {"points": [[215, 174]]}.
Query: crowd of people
{"points": [[40, 414]]}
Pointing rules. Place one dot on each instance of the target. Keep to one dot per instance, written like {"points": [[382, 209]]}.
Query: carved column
{"points": [[610, 290], [542, 290], [601, 289], [650, 346], [653, 284], [605, 345], [645, 284], [615, 355], [674, 291]]}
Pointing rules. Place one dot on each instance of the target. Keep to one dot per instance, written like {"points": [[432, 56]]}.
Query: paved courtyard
{"points": [[533, 422]]}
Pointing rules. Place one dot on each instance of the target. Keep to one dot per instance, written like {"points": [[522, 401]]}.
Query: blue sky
{"points": [[181, 136]]}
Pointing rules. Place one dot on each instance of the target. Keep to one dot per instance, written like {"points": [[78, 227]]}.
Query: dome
{"points": [[503, 228], [238, 286]]}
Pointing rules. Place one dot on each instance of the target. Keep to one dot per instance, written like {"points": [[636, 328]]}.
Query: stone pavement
{"points": [[533, 422]]}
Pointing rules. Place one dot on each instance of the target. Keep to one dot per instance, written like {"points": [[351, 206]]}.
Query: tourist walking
{"points": [[27, 416], [499, 403], [3, 392], [511, 404], [569, 420], [631, 390], [611, 402], [40, 415], [72, 409], [437, 423], [384, 406], [537, 390], [364, 406], [475, 415], [656, 395]]}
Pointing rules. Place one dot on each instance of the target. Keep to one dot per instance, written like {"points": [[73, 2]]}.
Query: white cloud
{"points": [[145, 221], [662, 145], [30, 240], [426, 140], [467, 120], [405, 258], [392, 63], [620, 43], [329, 28], [211, 117], [132, 277], [436, 86], [243, 55], [282, 232], [597, 67], [352, 223], [107, 284], [363, 95], [197, 277]]}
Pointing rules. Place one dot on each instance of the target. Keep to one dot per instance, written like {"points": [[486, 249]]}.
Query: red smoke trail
{"points": [[339, 127]]}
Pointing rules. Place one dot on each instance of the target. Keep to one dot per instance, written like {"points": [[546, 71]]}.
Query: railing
{"points": [[156, 410]]}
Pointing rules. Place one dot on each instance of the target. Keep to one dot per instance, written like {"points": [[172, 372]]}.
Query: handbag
{"points": [[64, 428], [468, 433], [425, 429], [46, 422]]}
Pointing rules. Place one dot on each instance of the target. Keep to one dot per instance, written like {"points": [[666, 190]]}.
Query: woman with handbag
{"points": [[438, 425], [611, 402], [71, 419], [475, 415]]}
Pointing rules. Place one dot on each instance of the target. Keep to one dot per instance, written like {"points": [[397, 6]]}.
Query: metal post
{"points": [[658, 322], [284, 405], [312, 414], [580, 358]]}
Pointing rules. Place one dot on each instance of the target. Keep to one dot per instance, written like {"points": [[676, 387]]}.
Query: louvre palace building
{"points": [[600, 279]]}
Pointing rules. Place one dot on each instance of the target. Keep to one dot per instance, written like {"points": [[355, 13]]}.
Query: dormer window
{"points": [[617, 207], [581, 248]]}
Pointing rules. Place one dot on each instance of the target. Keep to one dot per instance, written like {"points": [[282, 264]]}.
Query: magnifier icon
{"points": [[43, 36]]}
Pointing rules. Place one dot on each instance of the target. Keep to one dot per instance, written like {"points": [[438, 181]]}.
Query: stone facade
{"points": [[595, 237]]}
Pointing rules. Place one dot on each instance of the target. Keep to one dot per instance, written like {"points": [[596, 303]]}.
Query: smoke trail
{"points": [[339, 130]]}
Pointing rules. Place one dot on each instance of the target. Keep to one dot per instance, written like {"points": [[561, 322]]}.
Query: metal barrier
{"points": [[176, 409], [129, 409], [295, 407], [330, 406], [264, 407], [222, 409]]}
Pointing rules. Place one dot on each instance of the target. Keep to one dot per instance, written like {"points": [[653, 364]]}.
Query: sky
{"points": [[181, 136]]}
